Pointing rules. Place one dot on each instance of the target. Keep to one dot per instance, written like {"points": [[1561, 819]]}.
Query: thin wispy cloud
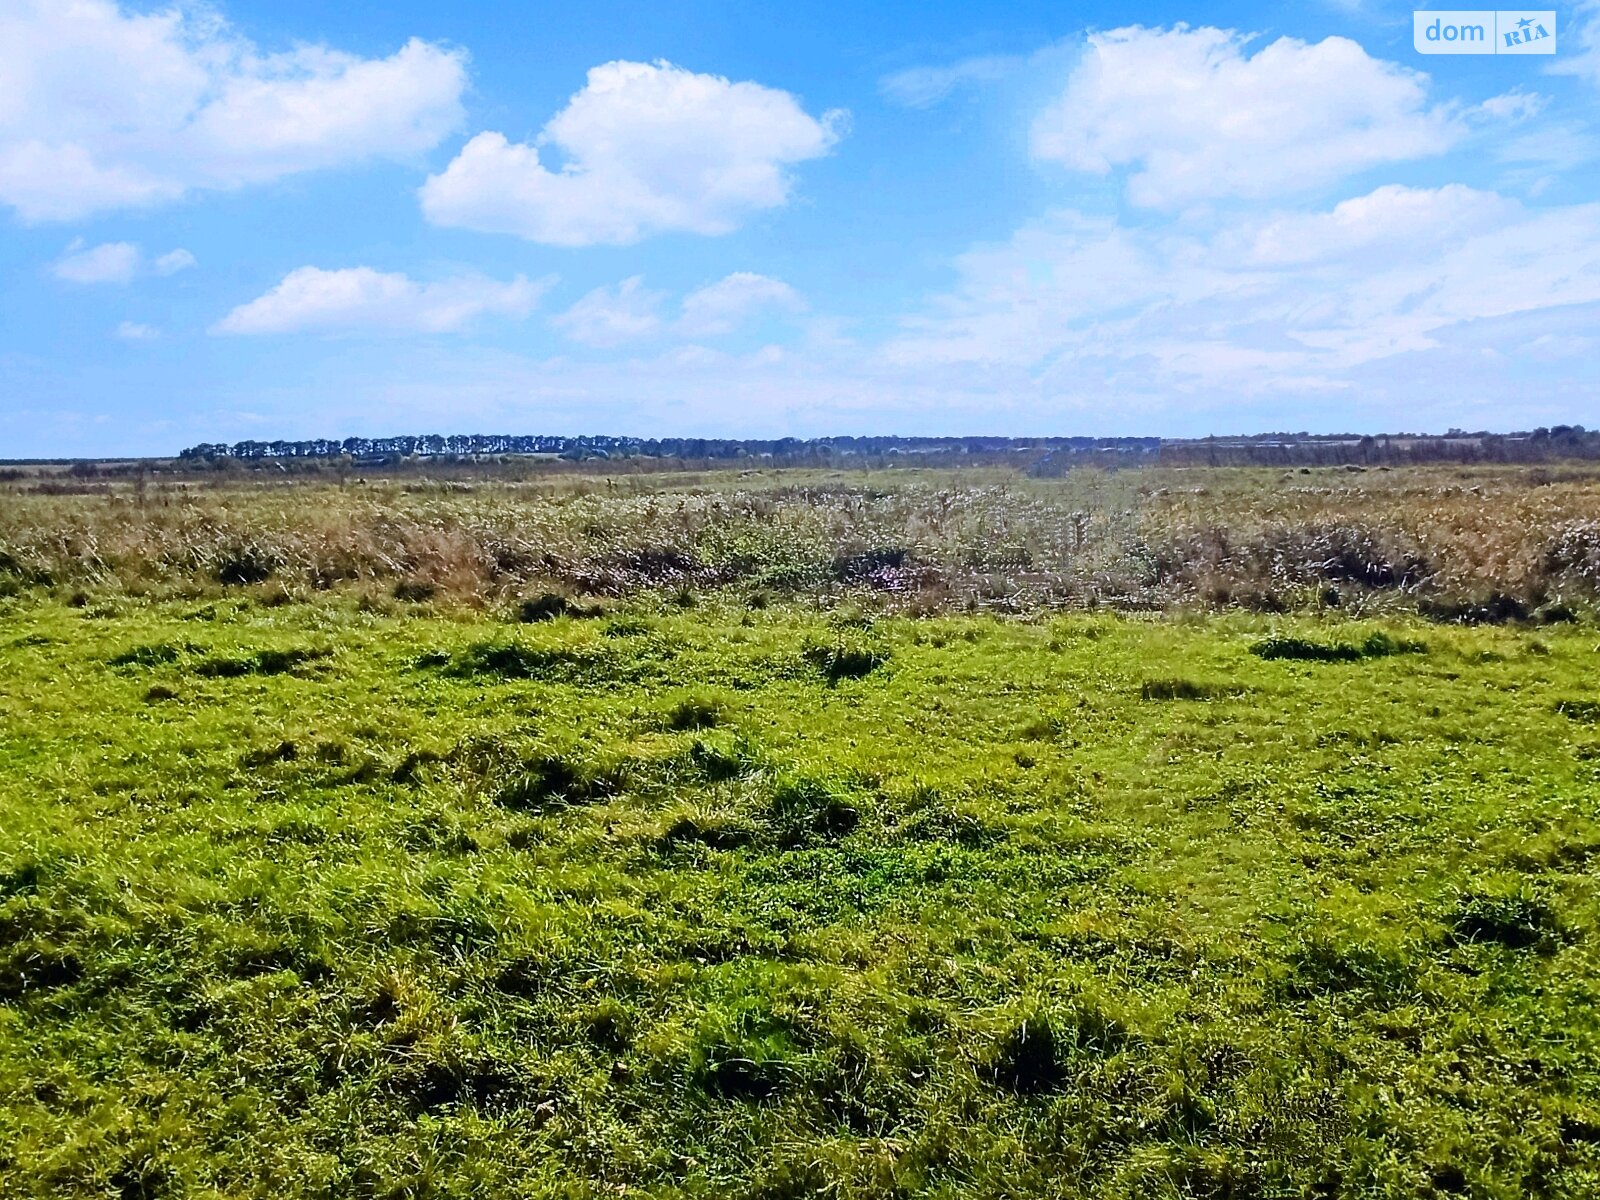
{"points": [[116, 262], [923, 87]]}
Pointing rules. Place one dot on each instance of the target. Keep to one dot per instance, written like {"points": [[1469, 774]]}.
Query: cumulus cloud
{"points": [[362, 300], [115, 262], [102, 108], [723, 306], [1192, 116], [643, 148], [1294, 302], [610, 316]]}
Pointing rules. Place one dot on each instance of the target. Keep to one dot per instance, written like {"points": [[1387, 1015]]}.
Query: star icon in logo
{"points": [[1524, 23]]}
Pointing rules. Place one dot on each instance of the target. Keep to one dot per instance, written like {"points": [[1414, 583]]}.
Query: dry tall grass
{"points": [[1471, 543]]}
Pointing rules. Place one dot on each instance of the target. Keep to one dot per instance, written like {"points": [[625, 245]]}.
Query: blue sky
{"points": [[288, 219]]}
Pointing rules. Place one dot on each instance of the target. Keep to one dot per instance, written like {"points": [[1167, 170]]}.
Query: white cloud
{"points": [[923, 87], [723, 306], [1549, 147], [1296, 302], [114, 262], [1513, 106], [359, 299], [1584, 33], [1193, 117], [643, 148], [103, 109], [174, 261], [1390, 225], [1558, 346], [133, 331], [610, 316]]}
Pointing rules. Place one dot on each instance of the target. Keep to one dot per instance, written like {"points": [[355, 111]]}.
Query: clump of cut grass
{"points": [[696, 712], [241, 564], [805, 809], [259, 662], [843, 660], [728, 1075], [443, 1084], [1304, 650], [554, 780], [514, 660], [1323, 963], [547, 606], [1586, 712], [1376, 645], [719, 831], [415, 591], [1518, 919], [284, 751], [1034, 1055], [609, 1024], [1045, 727], [157, 654], [716, 761], [1496, 609], [34, 967], [1178, 689]]}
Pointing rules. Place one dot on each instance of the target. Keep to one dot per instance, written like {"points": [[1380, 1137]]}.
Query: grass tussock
{"points": [[697, 712], [553, 780], [515, 660], [259, 662], [1178, 689], [1296, 649], [841, 660]]}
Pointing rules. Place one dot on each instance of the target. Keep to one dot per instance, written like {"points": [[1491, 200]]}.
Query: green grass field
{"points": [[331, 899]]}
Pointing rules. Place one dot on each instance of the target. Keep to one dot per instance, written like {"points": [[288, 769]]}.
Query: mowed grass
{"points": [[706, 901]]}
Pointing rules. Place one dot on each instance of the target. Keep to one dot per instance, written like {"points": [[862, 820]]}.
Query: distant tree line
{"points": [[1043, 455], [602, 446], [1396, 449]]}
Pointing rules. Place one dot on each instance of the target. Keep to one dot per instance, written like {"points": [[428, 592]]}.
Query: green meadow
{"points": [[711, 894]]}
